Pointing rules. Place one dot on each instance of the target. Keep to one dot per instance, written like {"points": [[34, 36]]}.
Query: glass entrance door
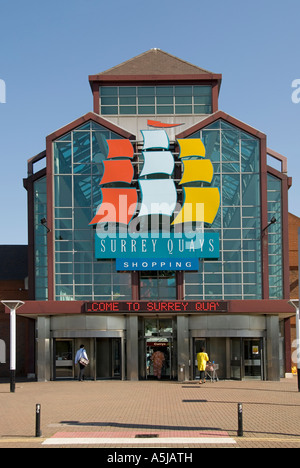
{"points": [[159, 358], [64, 352], [246, 359], [108, 358], [236, 359], [159, 348], [252, 359]]}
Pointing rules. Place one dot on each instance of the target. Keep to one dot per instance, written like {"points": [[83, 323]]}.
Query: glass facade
{"points": [[275, 238], [77, 174], [158, 285], [155, 100], [237, 274], [40, 240]]}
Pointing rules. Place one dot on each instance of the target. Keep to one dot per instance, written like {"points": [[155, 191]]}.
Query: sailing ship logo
{"points": [[158, 191], [156, 197]]}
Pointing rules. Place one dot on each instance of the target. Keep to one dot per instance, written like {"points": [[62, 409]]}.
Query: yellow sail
{"points": [[201, 204], [196, 170], [191, 147]]}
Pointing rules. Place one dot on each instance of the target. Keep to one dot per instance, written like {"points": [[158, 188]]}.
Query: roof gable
{"points": [[154, 62]]}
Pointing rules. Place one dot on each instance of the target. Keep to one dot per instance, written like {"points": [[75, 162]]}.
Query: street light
{"points": [[12, 306], [273, 221]]}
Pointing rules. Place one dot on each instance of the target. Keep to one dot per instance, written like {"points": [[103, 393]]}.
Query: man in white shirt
{"points": [[81, 353]]}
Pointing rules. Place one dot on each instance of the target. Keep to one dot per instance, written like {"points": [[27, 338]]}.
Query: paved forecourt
{"points": [[116, 414]]}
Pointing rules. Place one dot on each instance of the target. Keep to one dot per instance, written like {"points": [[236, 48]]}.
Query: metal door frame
{"points": [[55, 340], [111, 358], [260, 340]]}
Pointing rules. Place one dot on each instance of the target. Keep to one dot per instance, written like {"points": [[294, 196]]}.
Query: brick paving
{"points": [[115, 413]]}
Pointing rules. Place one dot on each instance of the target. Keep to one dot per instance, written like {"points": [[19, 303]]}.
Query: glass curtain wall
{"points": [[40, 240], [275, 238], [237, 273], [155, 100], [158, 285], [78, 170]]}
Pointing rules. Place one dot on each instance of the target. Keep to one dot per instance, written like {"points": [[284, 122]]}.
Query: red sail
{"points": [[118, 206], [120, 149], [117, 171]]}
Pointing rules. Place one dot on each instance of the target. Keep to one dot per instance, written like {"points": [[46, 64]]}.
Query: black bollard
{"points": [[38, 421], [240, 420]]}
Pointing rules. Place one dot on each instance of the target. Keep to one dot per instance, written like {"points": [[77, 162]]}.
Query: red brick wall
{"points": [[294, 224]]}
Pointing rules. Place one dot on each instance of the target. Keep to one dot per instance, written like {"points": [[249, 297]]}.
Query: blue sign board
{"points": [[174, 246], [164, 264]]}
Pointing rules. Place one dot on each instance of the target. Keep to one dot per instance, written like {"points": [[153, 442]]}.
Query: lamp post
{"points": [[12, 306]]}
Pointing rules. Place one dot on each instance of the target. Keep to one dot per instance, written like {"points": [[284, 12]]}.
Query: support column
{"points": [[272, 341], [183, 347], [132, 348], [43, 365]]}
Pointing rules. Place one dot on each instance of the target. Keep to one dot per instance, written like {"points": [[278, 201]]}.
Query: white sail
{"points": [[159, 196], [155, 139], [157, 162]]}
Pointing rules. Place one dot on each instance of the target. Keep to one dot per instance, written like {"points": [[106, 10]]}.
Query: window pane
{"points": [[108, 91], [183, 100], [164, 91], [81, 147], [146, 90], [109, 101], [127, 91], [165, 109], [82, 190], [202, 109], [62, 157], [147, 100], [127, 110], [109, 110], [127, 100], [230, 145], [63, 190], [146, 110], [183, 90], [202, 100], [82, 218], [202, 91], [211, 140], [164, 99], [183, 109]]}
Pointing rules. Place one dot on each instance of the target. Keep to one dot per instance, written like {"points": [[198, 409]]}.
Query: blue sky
{"points": [[48, 49]]}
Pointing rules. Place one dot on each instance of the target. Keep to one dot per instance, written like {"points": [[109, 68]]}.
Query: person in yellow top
{"points": [[202, 359]]}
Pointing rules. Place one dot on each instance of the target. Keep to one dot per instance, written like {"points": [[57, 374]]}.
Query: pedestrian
{"points": [[81, 359], [202, 359], [158, 358]]}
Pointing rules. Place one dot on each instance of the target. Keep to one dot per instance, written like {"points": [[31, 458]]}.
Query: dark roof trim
{"points": [[226, 117], [85, 118]]}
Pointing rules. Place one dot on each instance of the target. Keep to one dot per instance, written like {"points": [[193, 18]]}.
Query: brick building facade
{"points": [[294, 225]]}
